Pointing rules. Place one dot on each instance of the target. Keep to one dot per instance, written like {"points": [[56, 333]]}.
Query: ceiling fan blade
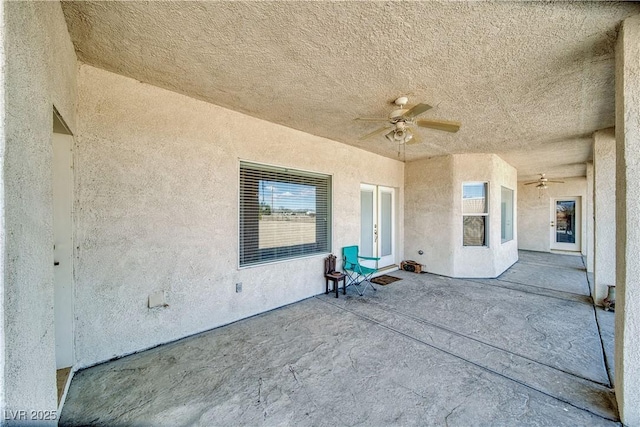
{"points": [[371, 119], [417, 109], [375, 132], [534, 182], [444, 125], [559, 182]]}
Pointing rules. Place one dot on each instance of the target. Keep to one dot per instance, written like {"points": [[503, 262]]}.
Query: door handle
{"points": [[56, 263]]}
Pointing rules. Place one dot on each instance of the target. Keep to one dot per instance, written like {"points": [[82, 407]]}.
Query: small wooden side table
{"points": [[336, 277]]}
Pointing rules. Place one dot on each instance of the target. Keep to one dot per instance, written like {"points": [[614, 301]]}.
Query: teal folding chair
{"points": [[357, 273]]}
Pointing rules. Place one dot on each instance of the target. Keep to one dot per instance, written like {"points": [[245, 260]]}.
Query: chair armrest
{"points": [[369, 258]]}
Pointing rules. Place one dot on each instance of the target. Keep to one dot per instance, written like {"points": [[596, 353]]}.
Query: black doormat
{"points": [[384, 280]]}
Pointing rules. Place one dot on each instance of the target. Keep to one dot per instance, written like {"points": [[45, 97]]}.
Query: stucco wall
{"points": [[428, 218], [534, 212], [39, 72], [627, 333], [590, 246], [433, 209], [157, 202], [3, 116], [493, 259], [604, 162]]}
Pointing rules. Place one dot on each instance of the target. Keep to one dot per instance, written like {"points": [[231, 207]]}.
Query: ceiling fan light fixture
{"points": [[400, 135], [390, 136], [408, 137]]}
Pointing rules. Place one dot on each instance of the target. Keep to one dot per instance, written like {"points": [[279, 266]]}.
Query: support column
{"points": [[604, 208], [627, 341], [589, 224]]}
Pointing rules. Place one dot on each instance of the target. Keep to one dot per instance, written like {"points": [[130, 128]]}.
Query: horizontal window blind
{"points": [[474, 230], [284, 213]]}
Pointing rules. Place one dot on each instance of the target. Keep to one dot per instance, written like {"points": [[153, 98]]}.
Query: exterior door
{"points": [[63, 248], [565, 224], [377, 231]]}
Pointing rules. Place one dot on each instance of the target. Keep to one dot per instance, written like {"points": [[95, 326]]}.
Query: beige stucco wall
{"points": [[157, 203], [604, 162], [534, 212], [428, 213], [590, 249], [627, 343], [39, 72], [433, 208], [3, 115], [494, 259]]}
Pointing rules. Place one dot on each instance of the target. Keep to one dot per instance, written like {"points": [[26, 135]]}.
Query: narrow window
{"points": [[284, 213], [506, 215], [475, 213]]}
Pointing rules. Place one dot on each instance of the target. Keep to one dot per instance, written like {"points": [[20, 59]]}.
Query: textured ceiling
{"points": [[529, 81]]}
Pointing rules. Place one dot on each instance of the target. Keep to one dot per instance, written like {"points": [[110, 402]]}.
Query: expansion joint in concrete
{"points": [[479, 366]]}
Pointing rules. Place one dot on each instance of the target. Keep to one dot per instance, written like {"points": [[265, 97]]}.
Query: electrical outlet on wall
{"points": [[158, 299], [238, 287]]}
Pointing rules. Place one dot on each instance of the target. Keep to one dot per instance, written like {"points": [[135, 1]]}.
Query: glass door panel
{"points": [[367, 221], [377, 220], [565, 224]]}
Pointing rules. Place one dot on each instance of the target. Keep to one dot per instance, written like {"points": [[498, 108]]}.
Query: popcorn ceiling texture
{"points": [[529, 81], [157, 189]]}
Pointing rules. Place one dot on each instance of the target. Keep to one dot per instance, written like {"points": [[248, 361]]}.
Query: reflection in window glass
{"points": [[565, 221], [284, 213], [475, 213], [287, 214], [474, 198], [506, 215]]}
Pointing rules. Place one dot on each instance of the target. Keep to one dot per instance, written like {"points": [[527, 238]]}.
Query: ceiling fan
{"points": [[542, 182], [401, 120]]}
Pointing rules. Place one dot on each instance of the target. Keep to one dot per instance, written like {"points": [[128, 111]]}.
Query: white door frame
{"points": [[379, 222], [575, 231]]}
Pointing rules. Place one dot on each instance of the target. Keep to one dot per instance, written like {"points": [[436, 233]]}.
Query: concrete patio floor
{"points": [[523, 349]]}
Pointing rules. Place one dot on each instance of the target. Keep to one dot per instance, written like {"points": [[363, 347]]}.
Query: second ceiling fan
{"points": [[543, 182], [401, 120]]}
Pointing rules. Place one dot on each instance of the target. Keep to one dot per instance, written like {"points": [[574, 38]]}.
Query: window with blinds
{"points": [[474, 213], [284, 213]]}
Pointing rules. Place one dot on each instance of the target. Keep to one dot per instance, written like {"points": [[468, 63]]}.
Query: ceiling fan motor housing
{"points": [[401, 100]]}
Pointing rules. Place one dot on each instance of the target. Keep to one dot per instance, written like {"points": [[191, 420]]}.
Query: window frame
{"points": [[484, 214], [252, 257]]}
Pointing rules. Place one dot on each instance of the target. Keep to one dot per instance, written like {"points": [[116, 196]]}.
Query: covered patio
{"points": [[523, 349]]}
